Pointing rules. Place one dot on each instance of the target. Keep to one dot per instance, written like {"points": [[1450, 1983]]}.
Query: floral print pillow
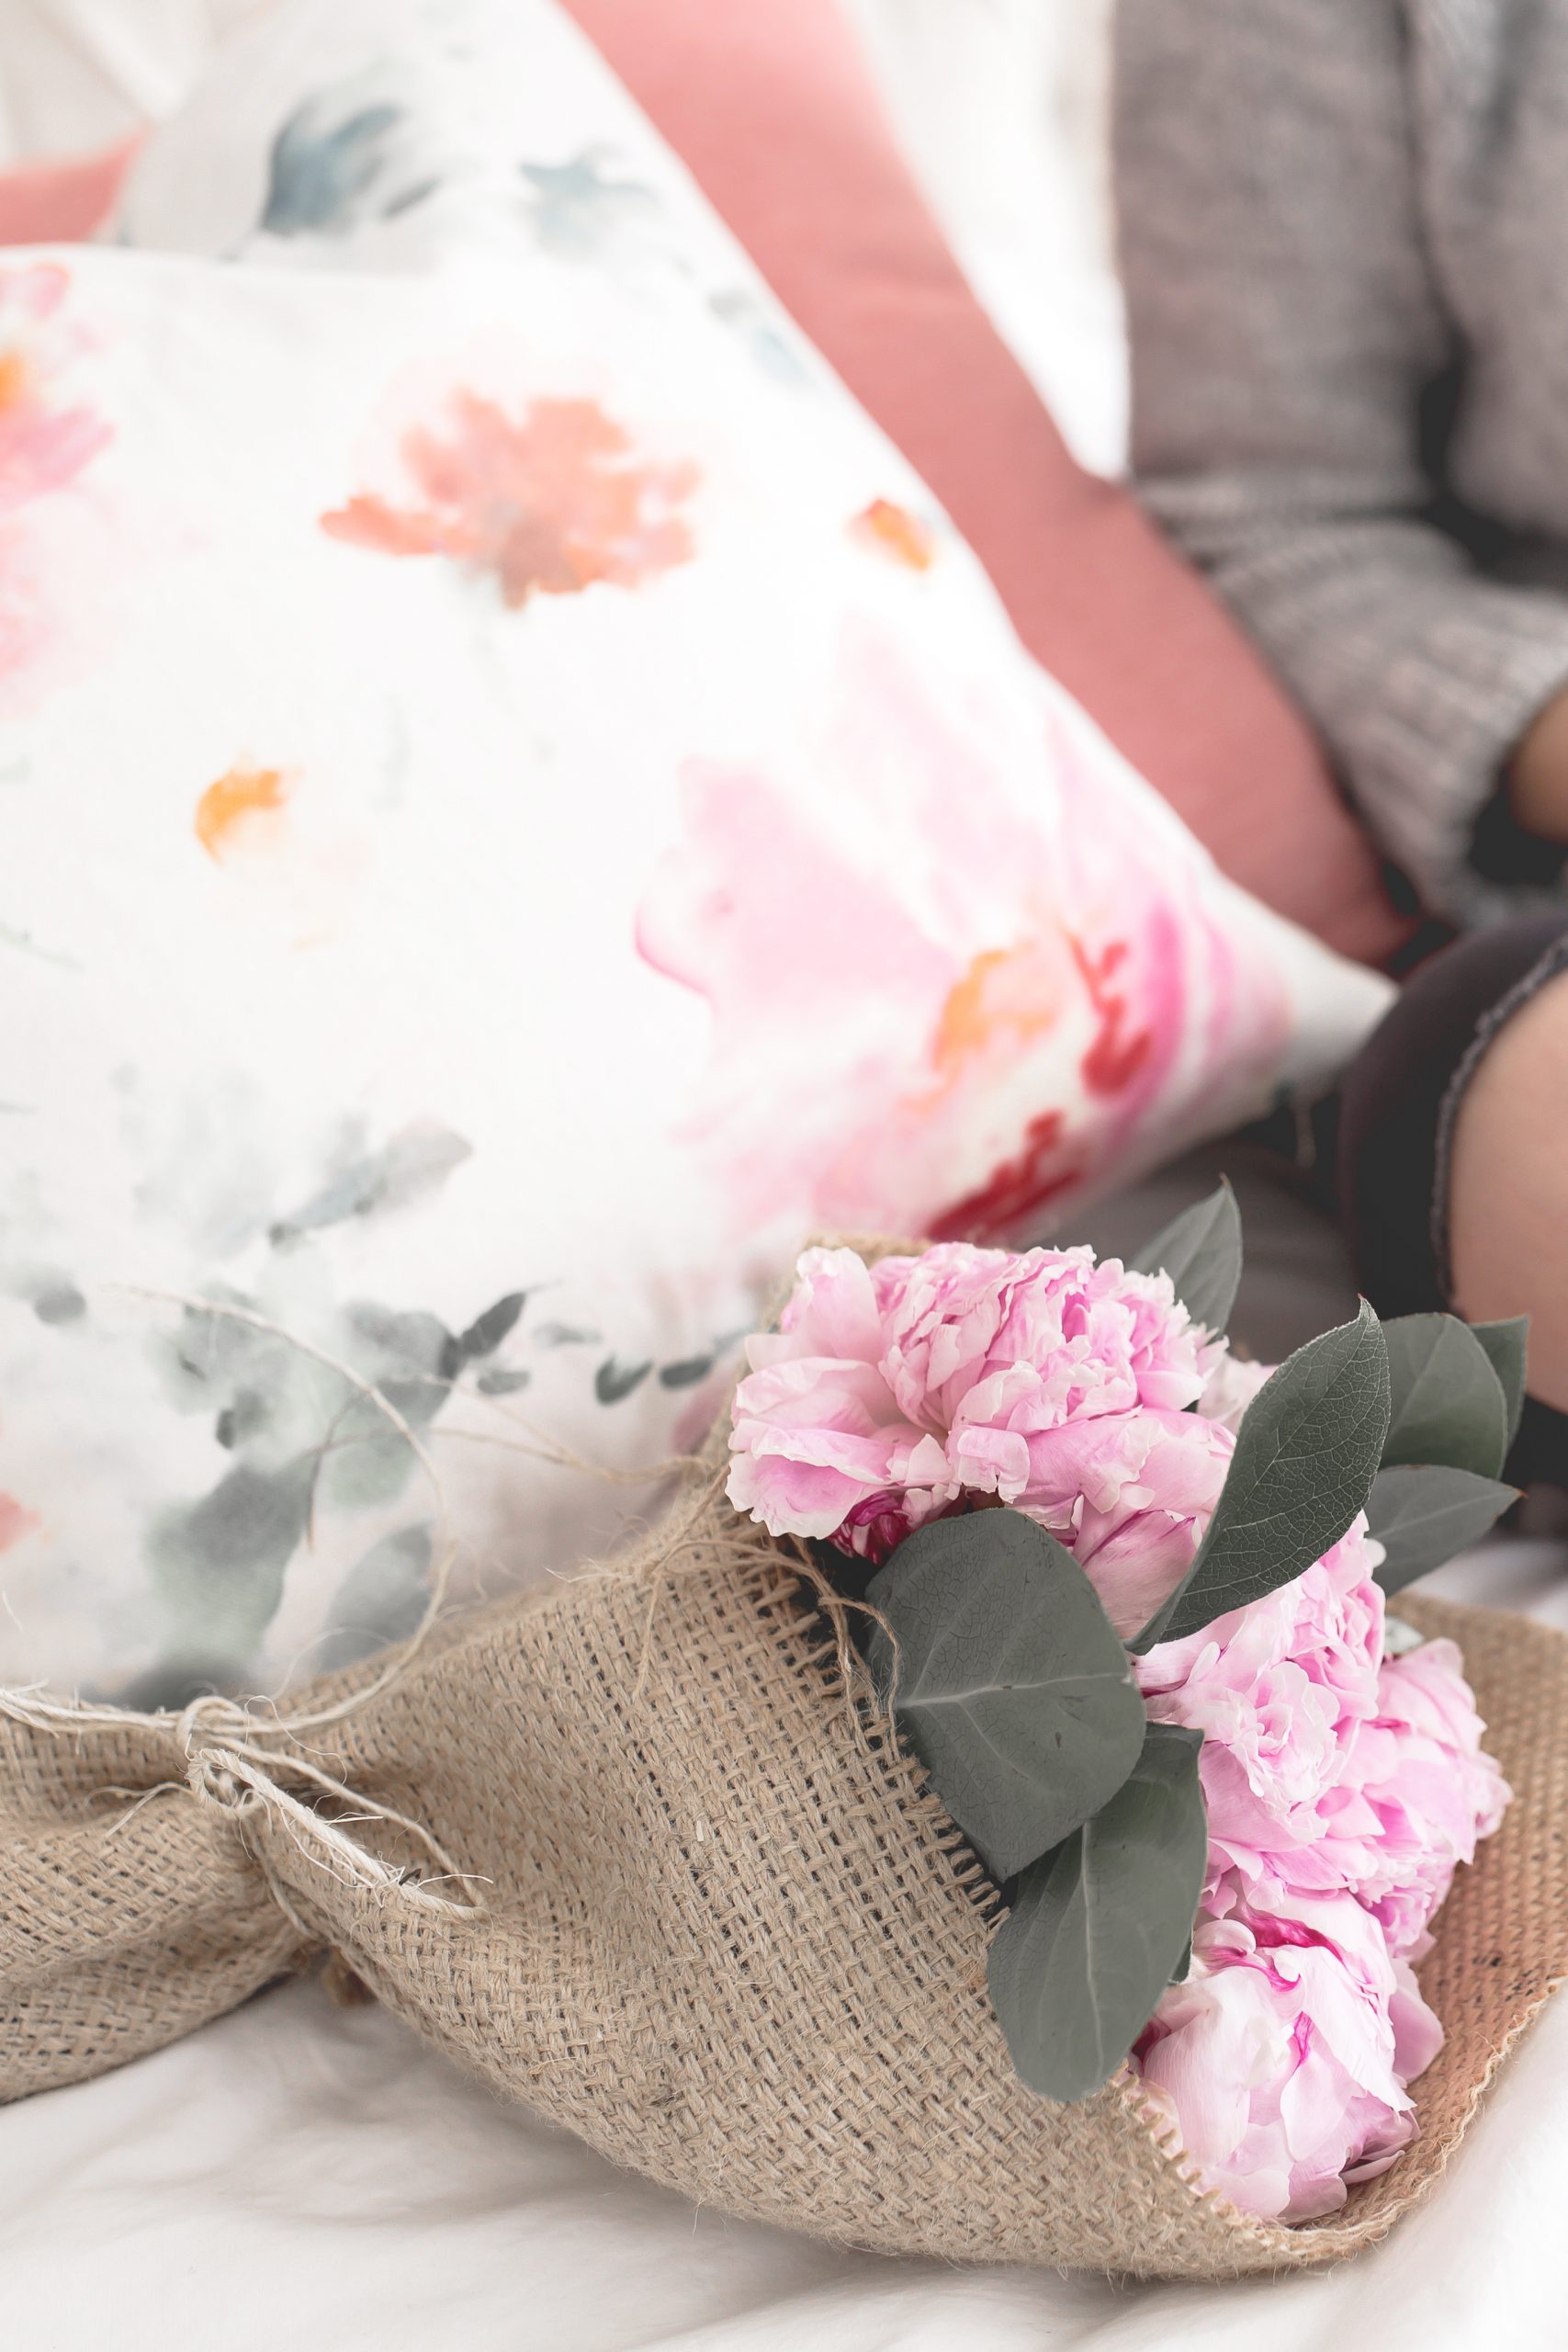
{"points": [[514, 809]]}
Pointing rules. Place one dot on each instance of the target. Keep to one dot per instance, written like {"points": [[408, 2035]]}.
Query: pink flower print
{"points": [[43, 443], [52, 558]]}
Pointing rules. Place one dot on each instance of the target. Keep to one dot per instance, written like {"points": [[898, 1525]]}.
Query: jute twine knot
{"points": [[236, 1761], [236, 1768], [206, 1731]]}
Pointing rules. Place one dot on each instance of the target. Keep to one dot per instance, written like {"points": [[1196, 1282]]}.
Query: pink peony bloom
{"points": [[1342, 1789], [887, 1395], [1233, 1383], [1130, 1497], [1417, 1795], [1283, 2070], [983, 1339], [1278, 1690], [817, 1436]]}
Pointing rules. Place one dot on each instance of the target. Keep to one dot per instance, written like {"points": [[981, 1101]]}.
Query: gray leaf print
{"points": [[381, 1599], [486, 1333], [740, 310], [334, 164], [416, 1161], [576, 208], [614, 1380], [219, 1562]]}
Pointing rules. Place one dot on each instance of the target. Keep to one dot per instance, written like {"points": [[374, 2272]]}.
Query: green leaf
{"points": [[1423, 1516], [1447, 1402], [1011, 1682], [1201, 1251], [1507, 1346], [1099, 1928], [486, 1333], [1303, 1465]]}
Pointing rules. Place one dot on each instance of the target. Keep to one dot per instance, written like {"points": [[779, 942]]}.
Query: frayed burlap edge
{"points": [[1500, 1939], [1488, 1925], [1501, 1952]]}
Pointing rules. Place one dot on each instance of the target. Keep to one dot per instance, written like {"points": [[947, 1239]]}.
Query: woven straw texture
{"points": [[727, 1937]]}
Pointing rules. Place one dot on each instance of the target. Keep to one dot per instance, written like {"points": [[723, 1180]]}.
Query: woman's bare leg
{"points": [[1508, 1187]]}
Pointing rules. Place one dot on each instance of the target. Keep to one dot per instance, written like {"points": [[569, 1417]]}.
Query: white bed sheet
{"points": [[303, 2167]]}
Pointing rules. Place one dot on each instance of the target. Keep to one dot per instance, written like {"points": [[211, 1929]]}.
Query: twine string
{"points": [[230, 1770], [236, 1761]]}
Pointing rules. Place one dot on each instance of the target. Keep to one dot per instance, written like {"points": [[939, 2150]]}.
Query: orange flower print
{"points": [[229, 809], [547, 502], [894, 532]]}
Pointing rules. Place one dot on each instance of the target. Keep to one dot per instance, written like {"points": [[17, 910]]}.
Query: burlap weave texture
{"points": [[725, 1937]]}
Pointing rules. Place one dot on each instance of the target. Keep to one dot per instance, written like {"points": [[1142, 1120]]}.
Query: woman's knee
{"points": [[1507, 1185], [1408, 1092]]}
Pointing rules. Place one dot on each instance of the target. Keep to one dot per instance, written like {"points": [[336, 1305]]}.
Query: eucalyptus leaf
{"points": [[1422, 1516], [1008, 1680], [1303, 1465], [1201, 1251], [1447, 1404], [1099, 1927], [1508, 1345]]}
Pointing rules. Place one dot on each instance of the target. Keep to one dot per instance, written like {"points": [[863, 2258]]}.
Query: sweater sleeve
{"points": [[1285, 328]]}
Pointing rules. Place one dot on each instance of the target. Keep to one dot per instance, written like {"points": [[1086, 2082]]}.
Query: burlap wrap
{"points": [[727, 1938]]}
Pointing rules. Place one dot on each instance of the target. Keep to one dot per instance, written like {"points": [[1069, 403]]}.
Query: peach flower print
{"points": [[547, 502]]}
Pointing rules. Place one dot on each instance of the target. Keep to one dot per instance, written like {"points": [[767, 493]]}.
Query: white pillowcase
{"points": [[515, 807]]}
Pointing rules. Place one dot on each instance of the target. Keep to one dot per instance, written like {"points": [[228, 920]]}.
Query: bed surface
{"points": [[304, 2168]]}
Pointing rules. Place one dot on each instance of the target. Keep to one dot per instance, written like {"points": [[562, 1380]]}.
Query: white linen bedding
{"points": [[302, 2171]]}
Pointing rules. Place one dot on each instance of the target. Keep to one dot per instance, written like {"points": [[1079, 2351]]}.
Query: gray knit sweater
{"points": [[1344, 231]]}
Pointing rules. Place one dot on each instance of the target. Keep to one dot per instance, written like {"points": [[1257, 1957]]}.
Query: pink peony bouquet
{"points": [[1127, 1596]]}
